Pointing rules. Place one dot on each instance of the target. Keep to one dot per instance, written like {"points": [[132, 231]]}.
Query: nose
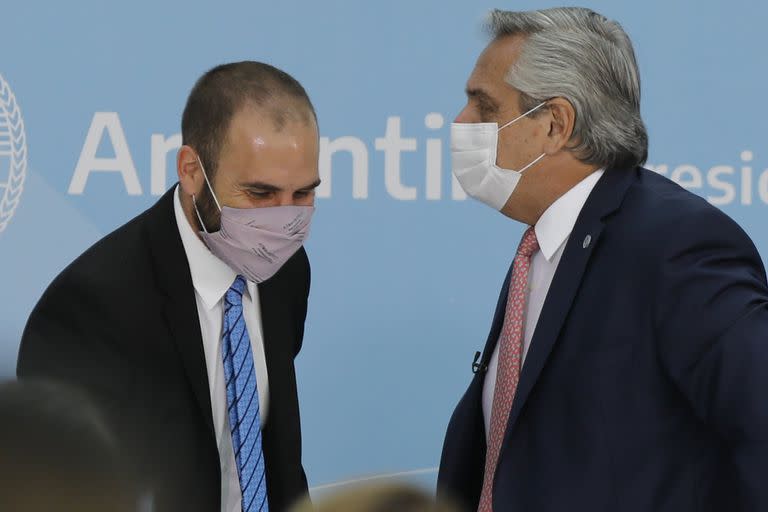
{"points": [[465, 116], [285, 198]]}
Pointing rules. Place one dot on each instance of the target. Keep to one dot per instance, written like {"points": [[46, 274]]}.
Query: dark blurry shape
{"points": [[378, 498], [57, 453]]}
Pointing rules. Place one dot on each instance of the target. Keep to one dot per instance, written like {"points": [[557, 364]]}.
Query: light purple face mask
{"points": [[256, 242]]}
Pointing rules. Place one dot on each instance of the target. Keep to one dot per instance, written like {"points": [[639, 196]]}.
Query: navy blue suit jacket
{"points": [[646, 384]]}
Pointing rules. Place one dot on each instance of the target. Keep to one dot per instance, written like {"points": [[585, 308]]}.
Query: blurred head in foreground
{"points": [[57, 453], [378, 498]]}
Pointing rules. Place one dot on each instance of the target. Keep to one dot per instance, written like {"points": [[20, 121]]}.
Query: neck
{"points": [[538, 190]]}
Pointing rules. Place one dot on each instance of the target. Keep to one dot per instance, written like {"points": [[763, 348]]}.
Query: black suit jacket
{"points": [[644, 388], [121, 322]]}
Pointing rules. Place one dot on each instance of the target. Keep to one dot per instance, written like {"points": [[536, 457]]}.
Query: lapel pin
{"points": [[587, 241]]}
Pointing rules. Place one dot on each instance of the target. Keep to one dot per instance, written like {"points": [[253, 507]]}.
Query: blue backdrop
{"points": [[405, 271]]}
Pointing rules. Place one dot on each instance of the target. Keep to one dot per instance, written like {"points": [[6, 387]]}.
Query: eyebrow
{"points": [[266, 187], [311, 186], [482, 96]]}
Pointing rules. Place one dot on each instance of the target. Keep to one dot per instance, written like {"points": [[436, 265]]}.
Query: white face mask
{"points": [[473, 150]]}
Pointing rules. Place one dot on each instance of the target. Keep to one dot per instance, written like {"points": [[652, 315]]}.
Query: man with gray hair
{"points": [[627, 357]]}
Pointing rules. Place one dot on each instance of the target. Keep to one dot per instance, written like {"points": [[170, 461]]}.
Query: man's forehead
{"points": [[496, 59], [273, 117], [249, 127]]}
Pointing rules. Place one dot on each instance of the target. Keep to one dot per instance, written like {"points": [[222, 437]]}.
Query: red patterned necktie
{"points": [[510, 357]]}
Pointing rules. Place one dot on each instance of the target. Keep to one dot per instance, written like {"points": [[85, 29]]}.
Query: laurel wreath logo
{"points": [[10, 112]]}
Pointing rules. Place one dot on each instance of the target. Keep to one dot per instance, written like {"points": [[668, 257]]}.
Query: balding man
{"points": [[626, 364], [184, 323]]}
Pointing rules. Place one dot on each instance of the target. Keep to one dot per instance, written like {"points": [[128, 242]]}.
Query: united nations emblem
{"points": [[13, 154]]}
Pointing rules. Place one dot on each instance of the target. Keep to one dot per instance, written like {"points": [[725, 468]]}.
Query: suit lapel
{"points": [[497, 324], [605, 199], [185, 326], [476, 385], [180, 309], [277, 298], [272, 314], [283, 311]]}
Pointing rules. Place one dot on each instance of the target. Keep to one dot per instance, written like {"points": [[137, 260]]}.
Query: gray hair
{"points": [[581, 56]]}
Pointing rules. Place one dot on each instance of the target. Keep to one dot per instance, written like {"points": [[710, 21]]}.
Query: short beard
{"points": [[209, 212]]}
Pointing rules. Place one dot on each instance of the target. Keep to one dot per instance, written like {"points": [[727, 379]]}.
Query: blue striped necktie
{"points": [[243, 401]]}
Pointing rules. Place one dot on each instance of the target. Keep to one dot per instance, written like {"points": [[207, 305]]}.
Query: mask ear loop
{"points": [[199, 218], [205, 175], [521, 171], [534, 109], [210, 188]]}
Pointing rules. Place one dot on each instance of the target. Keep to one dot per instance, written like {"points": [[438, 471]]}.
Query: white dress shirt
{"points": [[212, 278], [552, 231]]}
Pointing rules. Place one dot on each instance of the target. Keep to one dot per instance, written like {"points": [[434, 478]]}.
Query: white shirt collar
{"points": [[555, 225], [211, 277]]}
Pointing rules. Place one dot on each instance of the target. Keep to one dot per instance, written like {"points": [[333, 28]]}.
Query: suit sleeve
{"points": [[712, 330], [68, 339]]}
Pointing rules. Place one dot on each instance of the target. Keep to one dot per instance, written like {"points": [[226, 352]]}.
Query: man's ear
{"points": [[561, 117], [190, 173]]}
